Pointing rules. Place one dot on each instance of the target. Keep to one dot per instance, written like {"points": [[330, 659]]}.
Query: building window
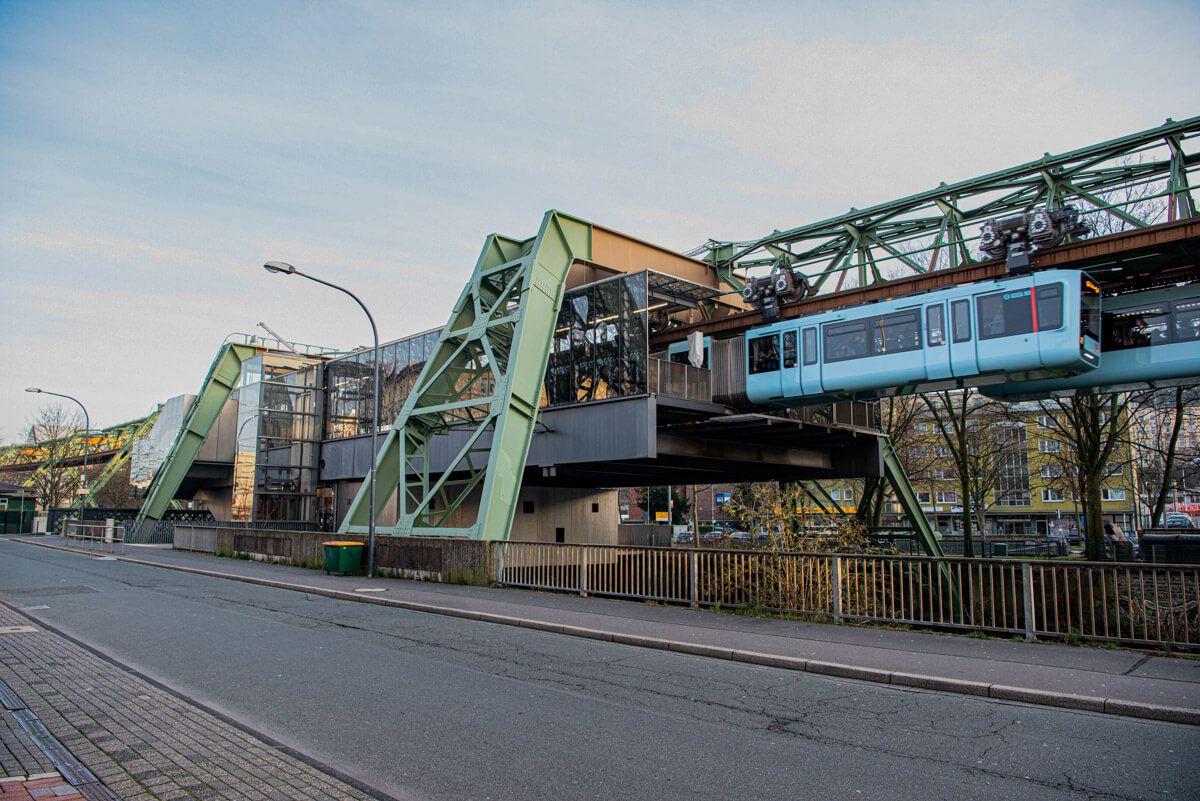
{"points": [[836, 494], [947, 497], [941, 450], [1049, 445], [1052, 495], [923, 497], [1115, 469], [945, 474], [595, 508], [848, 494], [560, 535], [1112, 494], [1045, 421], [1051, 471], [527, 507]]}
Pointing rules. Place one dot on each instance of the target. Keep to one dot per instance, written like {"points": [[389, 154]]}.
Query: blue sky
{"points": [[152, 155]]}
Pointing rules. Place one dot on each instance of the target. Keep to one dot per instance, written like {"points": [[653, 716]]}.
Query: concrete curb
{"points": [[1063, 700]]}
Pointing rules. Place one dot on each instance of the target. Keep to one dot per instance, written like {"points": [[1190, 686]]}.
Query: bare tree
{"points": [[978, 437], [51, 435], [1086, 442], [1161, 458]]}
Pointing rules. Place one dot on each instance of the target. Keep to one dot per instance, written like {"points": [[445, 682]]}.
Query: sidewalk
{"points": [[76, 726], [1114, 681]]}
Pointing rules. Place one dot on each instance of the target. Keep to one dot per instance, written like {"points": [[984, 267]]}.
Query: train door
{"points": [[937, 354], [810, 362], [963, 361]]}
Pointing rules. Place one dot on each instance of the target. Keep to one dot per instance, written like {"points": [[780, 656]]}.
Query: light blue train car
{"points": [[1040, 326], [1150, 339]]}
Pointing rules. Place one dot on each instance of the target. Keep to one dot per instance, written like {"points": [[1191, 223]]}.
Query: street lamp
{"points": [[283, 268], [87, 427]]}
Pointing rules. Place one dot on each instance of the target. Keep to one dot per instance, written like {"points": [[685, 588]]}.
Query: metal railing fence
{"points": [[104, 537], [1129, 603]]}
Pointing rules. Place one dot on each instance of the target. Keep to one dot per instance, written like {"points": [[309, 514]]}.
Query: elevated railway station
{"points": [[580, 359]]}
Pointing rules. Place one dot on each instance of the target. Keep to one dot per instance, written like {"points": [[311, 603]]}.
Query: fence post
{"points": [[837, 589], [1027, 599], [694, 573], [498, 562], [583, 568]]}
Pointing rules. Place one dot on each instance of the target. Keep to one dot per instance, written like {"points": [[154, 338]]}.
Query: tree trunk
{"points": [[1093, 520], [965, 500], [1160, 502]]}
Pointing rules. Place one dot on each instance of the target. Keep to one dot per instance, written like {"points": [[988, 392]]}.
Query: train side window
{"points": [[764, 354], [789, 349], [1137, 328], [847, 340], [960, 317], [1004, 314], [1187, 320], [897, 332], [810, 346], [1049, 307], [935, 325], [680, 358]]}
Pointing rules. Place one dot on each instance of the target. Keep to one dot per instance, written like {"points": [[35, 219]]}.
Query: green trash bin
{"points": [[343, 558]]}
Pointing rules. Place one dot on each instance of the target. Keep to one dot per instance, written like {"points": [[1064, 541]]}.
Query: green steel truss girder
{"points": [[120, 458], [893, 471], [218, 385], [26, 456], [1133, 181], [479, 391]]}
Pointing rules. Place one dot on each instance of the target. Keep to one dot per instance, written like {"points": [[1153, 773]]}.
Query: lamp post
{"points": [[87, 427], [283, 268]]}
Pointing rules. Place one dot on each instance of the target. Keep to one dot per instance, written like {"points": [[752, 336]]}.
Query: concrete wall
{"points": [[443, 559]]}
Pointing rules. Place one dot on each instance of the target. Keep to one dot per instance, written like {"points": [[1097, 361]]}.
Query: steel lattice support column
{"points": [[479, 392], [218, 385]]}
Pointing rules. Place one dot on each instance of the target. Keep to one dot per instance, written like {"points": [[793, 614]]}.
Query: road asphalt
{"points": [[437, 707]]}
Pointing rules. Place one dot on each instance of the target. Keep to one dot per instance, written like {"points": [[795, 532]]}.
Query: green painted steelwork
{"points": [[1129, 182], [893, 471], [218, 385], [480, 391], [120, 458]]}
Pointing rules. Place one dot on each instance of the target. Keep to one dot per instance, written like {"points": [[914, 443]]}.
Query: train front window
{"points": [[1049, 307], [1187, 321], [764, 354], [1137, 328], [1089, 316], [1004, 314]]}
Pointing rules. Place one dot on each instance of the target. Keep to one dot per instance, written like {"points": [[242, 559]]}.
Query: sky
{"points": [[153, 155]]}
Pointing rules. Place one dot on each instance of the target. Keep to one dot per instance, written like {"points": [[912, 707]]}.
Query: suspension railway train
{"points": [[1017, 337]]}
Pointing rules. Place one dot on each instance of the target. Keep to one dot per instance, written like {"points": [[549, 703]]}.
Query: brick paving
{"points": [[143, 743]]}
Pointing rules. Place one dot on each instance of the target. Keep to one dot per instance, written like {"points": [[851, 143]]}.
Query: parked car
{"points": [[740, 537], [1178, 520]]}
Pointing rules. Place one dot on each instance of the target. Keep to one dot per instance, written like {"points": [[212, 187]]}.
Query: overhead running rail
{"points": [[1131, 182]]}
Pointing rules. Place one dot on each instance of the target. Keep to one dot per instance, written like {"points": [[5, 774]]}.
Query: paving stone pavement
{"points": [[38, 787], [142, 742]]}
